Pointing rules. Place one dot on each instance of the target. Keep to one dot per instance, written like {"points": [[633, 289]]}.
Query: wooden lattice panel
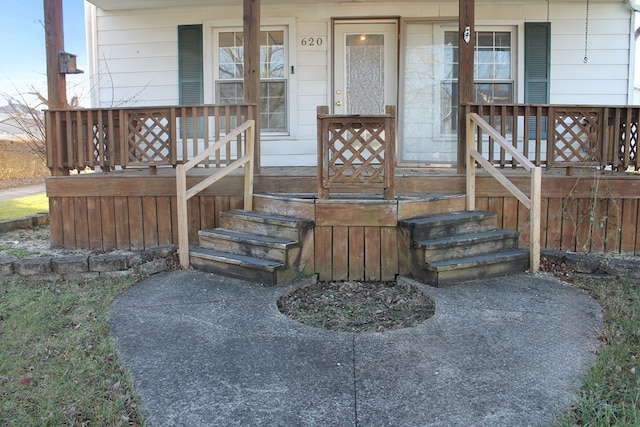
{"points": [[576, 135], [148, 137], [356, 153], [628, 144]]}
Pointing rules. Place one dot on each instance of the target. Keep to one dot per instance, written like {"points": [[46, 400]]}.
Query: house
{"points": [[554, 78]]}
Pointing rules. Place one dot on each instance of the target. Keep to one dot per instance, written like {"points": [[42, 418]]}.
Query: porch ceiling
{"points": [[156, 4]]}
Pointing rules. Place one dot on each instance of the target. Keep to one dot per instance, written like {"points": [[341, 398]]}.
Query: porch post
{"points": [[54, 38], [251, 33], [466, 43]]}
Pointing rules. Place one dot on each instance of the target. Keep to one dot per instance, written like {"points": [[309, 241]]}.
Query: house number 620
{"points": [[311, 41]]}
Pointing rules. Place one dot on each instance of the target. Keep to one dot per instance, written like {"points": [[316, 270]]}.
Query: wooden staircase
{"points": [[437, 242], [457, 247], [255, 246]]}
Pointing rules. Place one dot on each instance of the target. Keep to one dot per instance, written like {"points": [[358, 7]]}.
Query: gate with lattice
{"points": [[356, 153]]}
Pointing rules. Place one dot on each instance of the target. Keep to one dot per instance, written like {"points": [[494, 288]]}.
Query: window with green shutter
{"points": [[190, 70], [537, 67]]}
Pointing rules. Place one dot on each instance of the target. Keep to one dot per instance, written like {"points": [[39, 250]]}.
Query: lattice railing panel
{"points": [[356, 152], [576, 136], [148, 137]]}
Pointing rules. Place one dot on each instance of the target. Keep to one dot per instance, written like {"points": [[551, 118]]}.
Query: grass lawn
{"points": [[610, 395], [58, 366], [24, 206]]}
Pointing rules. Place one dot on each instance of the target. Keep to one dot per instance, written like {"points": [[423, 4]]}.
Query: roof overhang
{"points": [[158, 4]]}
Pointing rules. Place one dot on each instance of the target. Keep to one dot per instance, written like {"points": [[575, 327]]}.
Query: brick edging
{"points": [[115, 264]]}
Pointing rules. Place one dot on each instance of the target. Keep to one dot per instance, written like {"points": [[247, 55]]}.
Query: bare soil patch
{"points": [[355, 306]]}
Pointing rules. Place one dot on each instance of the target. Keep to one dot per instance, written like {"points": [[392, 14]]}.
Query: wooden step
{"points": [[239, 266], [252, 245], [449, 224], [461, 270], [265, 224], [466, 245]]}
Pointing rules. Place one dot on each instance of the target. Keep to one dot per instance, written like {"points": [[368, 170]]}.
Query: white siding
{"points": [[135, 54]]}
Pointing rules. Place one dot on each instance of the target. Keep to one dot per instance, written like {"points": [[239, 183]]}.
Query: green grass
{"points": [[58, 366], [610, 395], [24, 206]]}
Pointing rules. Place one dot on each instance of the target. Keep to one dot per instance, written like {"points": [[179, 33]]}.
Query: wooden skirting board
{"points": [[134, 210]]}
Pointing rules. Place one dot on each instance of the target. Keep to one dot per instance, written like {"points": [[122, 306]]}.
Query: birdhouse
{"points": [[67, 63]]}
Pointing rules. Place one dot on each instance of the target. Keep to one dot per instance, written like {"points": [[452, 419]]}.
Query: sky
{"points": [[22, 47]]}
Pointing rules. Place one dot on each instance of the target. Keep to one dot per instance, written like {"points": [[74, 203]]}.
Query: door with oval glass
{"points": [[365, 67]]}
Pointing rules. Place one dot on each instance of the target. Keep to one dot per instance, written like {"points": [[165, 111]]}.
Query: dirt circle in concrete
{"points": [[358, 306]]}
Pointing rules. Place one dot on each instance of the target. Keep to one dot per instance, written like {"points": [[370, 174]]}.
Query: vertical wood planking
{"points": [[372, 250], [94, 222], [207, 211], [544, 223], [150, 220], [568, 214], [56, 215], [356, 253], [614, 223], [510, 213], [555, 221], [222, 204], [323, 245], [583, 226], [163, 212], [523, 226], [340, 256], [136, 223], [122, 222], [482, 203], [599, 227], [174, 219], [389, 261], [495, 205], [236, 202], [193, 209], [68, 222], [108, 210], [629, 221]]}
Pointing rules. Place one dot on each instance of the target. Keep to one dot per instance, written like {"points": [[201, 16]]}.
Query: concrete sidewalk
{"points": [[17, 192], [205, 350]]}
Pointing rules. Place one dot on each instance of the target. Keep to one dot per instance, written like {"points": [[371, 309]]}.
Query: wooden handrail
{"points": [[532, 202], [183, 194]]}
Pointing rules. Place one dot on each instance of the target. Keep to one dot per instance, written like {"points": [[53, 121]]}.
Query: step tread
{"points": [[461, 239], [450, 217], [266, 217], [241, 260], [247, 237], [467, 262]]}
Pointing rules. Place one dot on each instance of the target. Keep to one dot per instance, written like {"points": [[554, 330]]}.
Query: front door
{"points": [[365, 67]]}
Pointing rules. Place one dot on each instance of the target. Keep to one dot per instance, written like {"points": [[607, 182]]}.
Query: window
{"points": [[273, 75], [493, 72]]}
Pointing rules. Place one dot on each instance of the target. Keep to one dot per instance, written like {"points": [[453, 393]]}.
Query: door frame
{"points": [[373, 20]]}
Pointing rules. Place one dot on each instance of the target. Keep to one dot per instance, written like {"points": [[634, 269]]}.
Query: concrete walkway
{"points": [[17, 192], [211, 351]]}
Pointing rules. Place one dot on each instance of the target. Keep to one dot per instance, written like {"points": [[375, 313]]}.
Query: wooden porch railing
{"points": [[142, 136], [562, 135], [532, 202], [245, 157], [356, 152]]}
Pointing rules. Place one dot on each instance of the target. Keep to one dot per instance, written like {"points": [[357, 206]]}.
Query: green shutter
{"points": [[537, 67], [190, 69]]}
